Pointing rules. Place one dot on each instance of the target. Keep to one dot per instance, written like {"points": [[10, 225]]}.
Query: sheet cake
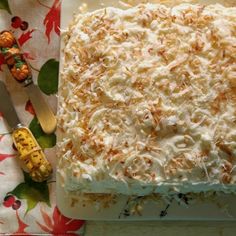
{"points": [[147, 100]]}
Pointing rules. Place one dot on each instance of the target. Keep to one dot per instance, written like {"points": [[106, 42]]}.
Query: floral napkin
{"points": [[26, 207]]}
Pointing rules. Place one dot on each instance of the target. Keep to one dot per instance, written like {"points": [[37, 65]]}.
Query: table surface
{"points": [[160, 228]]}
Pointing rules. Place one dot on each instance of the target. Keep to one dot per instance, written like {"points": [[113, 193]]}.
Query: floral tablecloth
{"points": [[27, 207]]}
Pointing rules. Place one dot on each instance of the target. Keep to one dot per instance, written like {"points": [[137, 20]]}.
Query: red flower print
{"points": [[52, 19], [1, 173], [21, 226], [25, 37], [5, 156], [9, 200], [28, 56], [29, 107], [24, 25], [2, 61], [59, 224], [16, 22]]}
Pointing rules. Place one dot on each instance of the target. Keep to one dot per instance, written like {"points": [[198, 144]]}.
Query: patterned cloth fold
{"points": [[27, 207]]}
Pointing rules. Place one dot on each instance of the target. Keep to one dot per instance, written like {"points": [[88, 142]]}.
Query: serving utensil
{"points": [[30, 153], [21, 72]]}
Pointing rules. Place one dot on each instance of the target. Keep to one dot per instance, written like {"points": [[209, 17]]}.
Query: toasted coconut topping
{"points": [[147, 96]]}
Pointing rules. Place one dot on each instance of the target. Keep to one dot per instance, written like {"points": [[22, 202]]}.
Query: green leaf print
{"points": [[32, 192], [48, 77], [4, 5], [44, 140]]}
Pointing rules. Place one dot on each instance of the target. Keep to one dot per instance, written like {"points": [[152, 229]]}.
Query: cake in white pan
{"points": [[147, 101]]}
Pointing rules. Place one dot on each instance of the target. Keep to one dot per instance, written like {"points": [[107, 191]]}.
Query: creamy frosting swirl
{"points": [[148, 99]]}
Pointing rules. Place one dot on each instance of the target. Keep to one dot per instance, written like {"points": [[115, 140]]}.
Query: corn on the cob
{"points": [[31, 154]]}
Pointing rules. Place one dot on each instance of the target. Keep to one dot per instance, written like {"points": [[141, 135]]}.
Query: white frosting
{"points": [[147, 100]]}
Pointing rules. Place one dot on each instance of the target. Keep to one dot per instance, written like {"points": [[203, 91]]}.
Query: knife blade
{"points": [[30, 153], [21, 72], [7, 108]]}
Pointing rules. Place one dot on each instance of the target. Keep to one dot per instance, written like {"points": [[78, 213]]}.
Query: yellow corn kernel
{"points": [[36, 158], [43, 169], [29, 165]]}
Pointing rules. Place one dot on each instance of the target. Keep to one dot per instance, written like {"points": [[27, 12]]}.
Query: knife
{"points": [[30, 153], [21, 72]]}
